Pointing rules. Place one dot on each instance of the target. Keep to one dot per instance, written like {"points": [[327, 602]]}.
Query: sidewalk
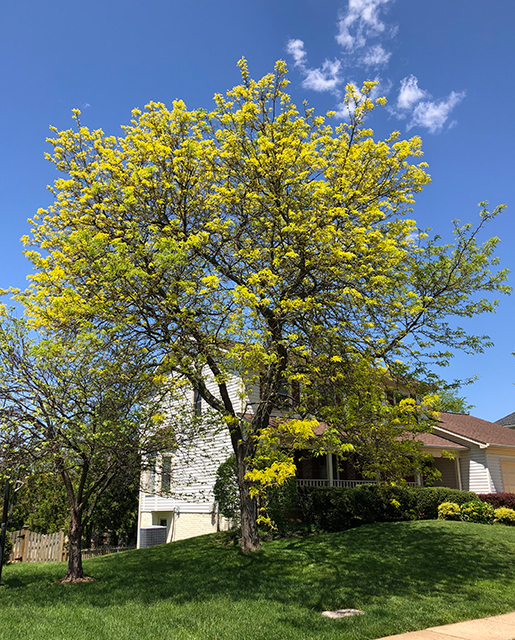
{"points": [[495, 628]]}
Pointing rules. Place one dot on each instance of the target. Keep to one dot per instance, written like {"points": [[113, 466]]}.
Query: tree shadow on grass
{"points": [[361, 567]]}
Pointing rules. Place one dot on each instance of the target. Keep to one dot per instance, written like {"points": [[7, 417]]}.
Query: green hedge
{"points": [[338, 509]]}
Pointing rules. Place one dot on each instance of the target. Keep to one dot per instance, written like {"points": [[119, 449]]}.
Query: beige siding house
{"points": [[485, 454]]}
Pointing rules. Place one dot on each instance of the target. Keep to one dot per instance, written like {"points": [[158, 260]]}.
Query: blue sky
{"points": [[446, 67]]}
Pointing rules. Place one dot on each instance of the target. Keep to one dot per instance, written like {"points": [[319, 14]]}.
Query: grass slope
{"points": [[405, 576]]}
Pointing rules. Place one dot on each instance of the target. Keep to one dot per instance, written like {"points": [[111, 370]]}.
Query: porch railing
{"points": [[340, 483]]}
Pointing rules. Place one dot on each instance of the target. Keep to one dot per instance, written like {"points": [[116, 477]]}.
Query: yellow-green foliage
{"points": [[477, 511], [504, 515], [449, 511]]}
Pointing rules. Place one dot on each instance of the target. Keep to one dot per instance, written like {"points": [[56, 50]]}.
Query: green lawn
{"points": [[405, 576]]}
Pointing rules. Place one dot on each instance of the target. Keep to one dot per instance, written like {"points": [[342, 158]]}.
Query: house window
{"points": [[197, 402], [284, 393], [163, 522], [322, 468], [151, 474], [166, 472]]}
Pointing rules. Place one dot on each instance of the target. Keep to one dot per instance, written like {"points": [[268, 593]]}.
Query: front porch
{"points": [[307, 482], [330, 471]]}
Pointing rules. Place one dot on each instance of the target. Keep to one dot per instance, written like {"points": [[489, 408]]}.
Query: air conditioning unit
{"points": [[150, 536]]}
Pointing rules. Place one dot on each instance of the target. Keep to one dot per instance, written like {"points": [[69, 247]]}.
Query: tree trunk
{"points": [[248, 505], [74, 572]]}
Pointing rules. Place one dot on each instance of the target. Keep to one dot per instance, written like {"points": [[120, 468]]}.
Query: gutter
{"points": [[481, 445]]}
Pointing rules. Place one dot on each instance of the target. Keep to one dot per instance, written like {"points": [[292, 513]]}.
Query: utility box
{"points": [[150, 536]]}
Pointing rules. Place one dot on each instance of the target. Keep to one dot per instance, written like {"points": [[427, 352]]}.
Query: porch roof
{"points": [[437, 442]]}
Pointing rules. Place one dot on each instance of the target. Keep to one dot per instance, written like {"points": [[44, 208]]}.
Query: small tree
{"points": [[226, 488], [263, 242], [86, 405], [449, 401]]}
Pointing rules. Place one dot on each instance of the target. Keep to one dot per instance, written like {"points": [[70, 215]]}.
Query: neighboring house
{"points": [[508, 421], [485, 461], [178, 488]]}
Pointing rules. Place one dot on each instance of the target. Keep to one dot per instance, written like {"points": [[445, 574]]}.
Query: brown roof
{"points": [[432, 440], [459, 424], [476, 429]]}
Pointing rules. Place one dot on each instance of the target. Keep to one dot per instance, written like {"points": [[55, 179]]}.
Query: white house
{"points": [[178, 489]]}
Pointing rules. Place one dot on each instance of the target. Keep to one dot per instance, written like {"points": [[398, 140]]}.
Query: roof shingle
{"points": [[507, 421], [476, 429]]}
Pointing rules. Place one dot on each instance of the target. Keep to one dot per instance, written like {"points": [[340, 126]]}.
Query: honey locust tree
{"points": [[261, 240], [85, 407]]}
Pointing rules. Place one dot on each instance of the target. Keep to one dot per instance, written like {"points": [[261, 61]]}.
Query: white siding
{"points": [[194, 468], [194, 463], [252, 393], [474, 470], [193, 475], [189, 507], [494, 464]]}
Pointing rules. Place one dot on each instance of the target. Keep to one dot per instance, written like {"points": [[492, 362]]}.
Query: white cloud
{"points": [[359, 23], [376, 57], [296, 49], [410, 93], [433, 115], [324, 79], [357, 27]]}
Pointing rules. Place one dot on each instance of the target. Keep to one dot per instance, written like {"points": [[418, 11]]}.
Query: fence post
{"points": [[24, 535]]}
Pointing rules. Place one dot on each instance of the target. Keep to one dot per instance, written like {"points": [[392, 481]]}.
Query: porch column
{"points": [[329, 458], [458, 471]]}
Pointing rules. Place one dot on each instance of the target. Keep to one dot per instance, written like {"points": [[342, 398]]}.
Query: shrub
{"points": [[505, 516], [477, 511], [226, 490], [498, 500], [429, 499], [449, 511], [338, 509], [282, 506]]}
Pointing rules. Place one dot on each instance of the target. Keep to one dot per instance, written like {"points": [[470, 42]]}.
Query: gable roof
{"points": [[507, 421], [475, 429], [432, 440]]}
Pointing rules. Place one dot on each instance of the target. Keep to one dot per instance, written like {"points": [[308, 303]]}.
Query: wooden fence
{"points": [[39, 547]]}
